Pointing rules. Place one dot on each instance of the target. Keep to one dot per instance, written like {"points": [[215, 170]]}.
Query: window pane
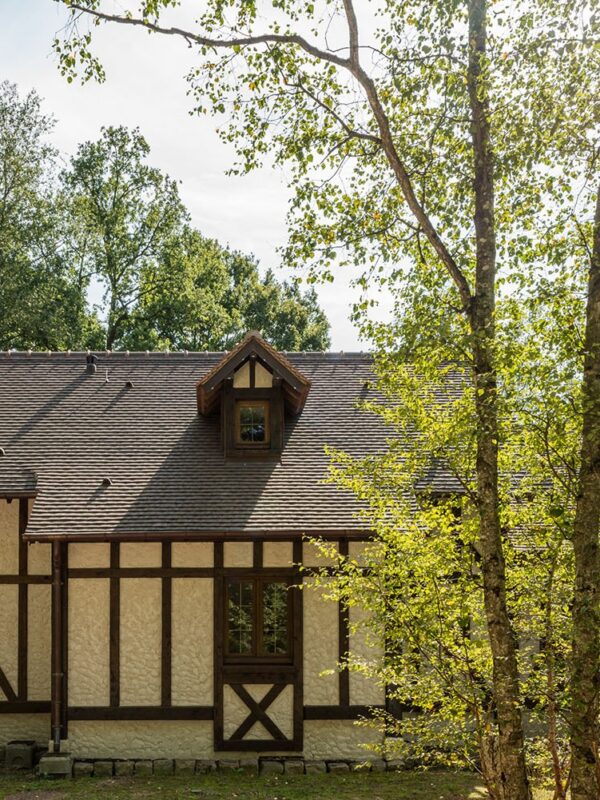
{"points": [[239, 617], [252, 423], [275, 618]]}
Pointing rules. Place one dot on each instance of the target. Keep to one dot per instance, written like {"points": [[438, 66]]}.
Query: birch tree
{"points": [[427, 141]]}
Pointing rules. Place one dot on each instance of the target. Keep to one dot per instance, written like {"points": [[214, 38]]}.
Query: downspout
{"points": [[57, 650]]}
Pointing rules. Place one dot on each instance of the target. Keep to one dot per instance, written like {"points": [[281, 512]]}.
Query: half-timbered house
{"points": [[154, 511]]}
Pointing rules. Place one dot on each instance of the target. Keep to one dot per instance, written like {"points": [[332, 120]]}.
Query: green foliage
{"points": [[202, 296], [42, 290], [296, 87], [111, 219], [128, 216]]}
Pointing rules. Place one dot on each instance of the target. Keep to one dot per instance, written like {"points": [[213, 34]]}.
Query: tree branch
{"points": [[351, 133], [353, 66], [353, 30], [206, 41]]}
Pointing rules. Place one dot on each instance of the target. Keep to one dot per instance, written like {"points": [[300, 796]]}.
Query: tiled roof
{"points": [[15, 479], [165, 461]]}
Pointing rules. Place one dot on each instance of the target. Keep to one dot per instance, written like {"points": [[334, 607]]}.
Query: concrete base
{"points": [[56, 765], [20, 754]]}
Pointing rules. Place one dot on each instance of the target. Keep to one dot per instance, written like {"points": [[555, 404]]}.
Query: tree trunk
{"points": [[585, 679], [513, 775]]}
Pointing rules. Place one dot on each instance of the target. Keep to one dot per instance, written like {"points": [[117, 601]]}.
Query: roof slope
{"points": [[165, 461]]}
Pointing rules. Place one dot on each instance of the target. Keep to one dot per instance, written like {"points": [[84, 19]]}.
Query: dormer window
{"points": [[253, 387], [253, 424]]}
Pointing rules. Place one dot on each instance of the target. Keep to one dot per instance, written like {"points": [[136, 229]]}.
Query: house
{"points": [[154, 511]]}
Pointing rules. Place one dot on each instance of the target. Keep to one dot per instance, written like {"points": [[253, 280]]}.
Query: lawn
{"points": [[237, 786]]}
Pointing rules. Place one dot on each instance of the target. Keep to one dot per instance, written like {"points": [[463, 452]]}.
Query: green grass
{"points": [[434, 785], [237, 786]]}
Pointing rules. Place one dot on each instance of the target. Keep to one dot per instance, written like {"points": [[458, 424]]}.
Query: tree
{"points": [[203, 296], [42, 292], [431, 154], [287, 317], [128, 216], [586, 605], [165, 285]]}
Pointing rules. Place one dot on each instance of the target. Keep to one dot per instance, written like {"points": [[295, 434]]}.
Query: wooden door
{"points": [[258, 662]]}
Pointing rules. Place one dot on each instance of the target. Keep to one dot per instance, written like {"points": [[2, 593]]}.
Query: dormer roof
{"points": [[295, 385]]}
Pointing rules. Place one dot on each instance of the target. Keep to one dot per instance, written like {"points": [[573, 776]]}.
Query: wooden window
{"points": [[252, 423], [257, 620]]}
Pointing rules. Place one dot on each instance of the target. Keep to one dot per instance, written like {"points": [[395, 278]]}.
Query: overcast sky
{"points": [[145, 88]]}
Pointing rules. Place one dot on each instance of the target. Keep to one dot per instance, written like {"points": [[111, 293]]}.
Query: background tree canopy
{"points": [[110, 220]]}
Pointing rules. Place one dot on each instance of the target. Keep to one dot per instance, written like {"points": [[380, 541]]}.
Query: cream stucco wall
{"points": [[140, 641], [241, 377], [237, 554], [9, 537], [192, 554], [192, 642], [363, 690], [141, 739], [24, 726], [263, 379], [93, 554], [312, 556], [141, 554], [39, 559], [320, 648], [338, 739], [194, 739], [9, 599], [89, 642], [39, 634], [278, 554]]}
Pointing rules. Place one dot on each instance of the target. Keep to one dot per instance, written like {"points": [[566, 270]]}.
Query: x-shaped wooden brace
{"points": [[257, 711], [6, 687]]}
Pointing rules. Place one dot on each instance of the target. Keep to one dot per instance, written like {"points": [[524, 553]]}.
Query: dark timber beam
{"points": [[219, 623], [114, 656], [140, 713], [58, 633], [23, 603], [166, 643]]}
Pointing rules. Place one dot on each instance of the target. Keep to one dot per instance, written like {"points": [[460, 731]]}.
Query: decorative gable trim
{"points": [[295, 385]]}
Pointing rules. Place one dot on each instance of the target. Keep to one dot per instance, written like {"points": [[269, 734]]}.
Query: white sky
{"points": [[145, 87]]}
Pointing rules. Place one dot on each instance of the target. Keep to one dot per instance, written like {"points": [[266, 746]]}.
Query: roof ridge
{"points": [[7, 354]]}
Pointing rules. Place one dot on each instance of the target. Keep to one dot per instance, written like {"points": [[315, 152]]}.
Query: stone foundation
{"points": [[254, 766]]}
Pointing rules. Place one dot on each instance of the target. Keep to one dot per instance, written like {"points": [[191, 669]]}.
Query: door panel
{"points": [[258, 697]]}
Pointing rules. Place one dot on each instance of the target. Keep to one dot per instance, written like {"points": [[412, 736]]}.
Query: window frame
{"points": [[252, 403], [258, 656]]}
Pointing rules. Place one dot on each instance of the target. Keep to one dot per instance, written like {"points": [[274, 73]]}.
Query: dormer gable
{"points": [[253, 387]]}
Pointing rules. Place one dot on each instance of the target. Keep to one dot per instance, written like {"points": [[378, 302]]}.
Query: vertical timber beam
{"points": [[23, 604], [65, 638], [166, 636], [257, 554], [57, 644], [228, 416], [298, 612], [344, 640], [219, 623], [115, 629]]}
